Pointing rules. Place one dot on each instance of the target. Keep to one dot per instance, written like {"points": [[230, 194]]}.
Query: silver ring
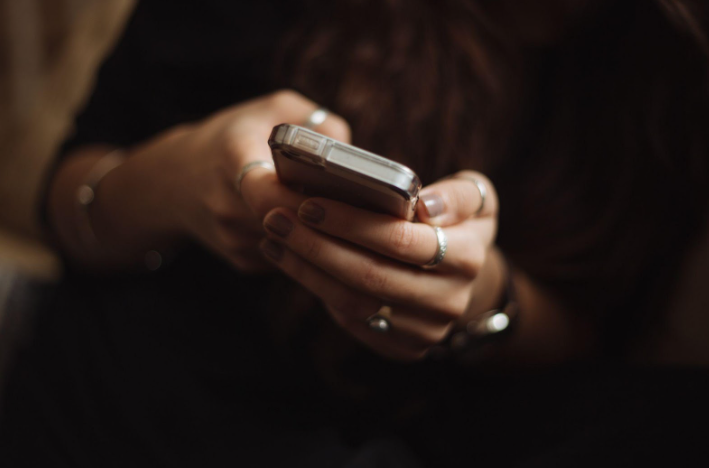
{"points": [[440, 250], [379, 322], [483, 194], [317, 117], [481, 188], [248, 168]]}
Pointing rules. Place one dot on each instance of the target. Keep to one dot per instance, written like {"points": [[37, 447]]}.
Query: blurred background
{"points": [[49, 53]]}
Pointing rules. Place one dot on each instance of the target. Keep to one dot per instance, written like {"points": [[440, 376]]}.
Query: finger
{"points": [[456, 199], [288, 106], [414, 243], [262, 191], [247, 126], [248, 141], [388, 345], [335, 127], [417, 328], [408, 338], [232, 212], [443, 293], [349, 308], [250, 137]]}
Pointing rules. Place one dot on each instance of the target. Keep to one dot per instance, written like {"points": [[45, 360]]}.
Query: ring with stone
{"points": [[380, 322]]}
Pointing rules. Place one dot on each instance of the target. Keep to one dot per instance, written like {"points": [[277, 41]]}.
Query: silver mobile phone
{"points": [[324, 167]]}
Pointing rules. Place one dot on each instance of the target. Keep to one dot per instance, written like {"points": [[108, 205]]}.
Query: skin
{"points": [[356, 261], [180, 185]]}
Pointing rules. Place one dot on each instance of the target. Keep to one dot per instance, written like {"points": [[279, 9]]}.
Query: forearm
{"points": [[124, 217]]}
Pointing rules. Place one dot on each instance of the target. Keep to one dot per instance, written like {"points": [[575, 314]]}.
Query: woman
{"points": [[574, 112]]}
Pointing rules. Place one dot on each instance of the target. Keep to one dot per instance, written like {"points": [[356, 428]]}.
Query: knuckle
{"points": [[403, 237], [460, 196], [283, 98], [373, 279]]}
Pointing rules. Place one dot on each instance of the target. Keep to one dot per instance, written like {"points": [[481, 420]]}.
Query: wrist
{"points": [[491, 315], [102, 211], [490, 287], [131, 207]]}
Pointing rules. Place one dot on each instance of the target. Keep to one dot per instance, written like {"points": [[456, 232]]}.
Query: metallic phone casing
{"points": [[327, 168]]}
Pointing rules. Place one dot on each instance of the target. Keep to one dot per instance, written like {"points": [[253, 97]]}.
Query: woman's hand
{"points": [[182, 184], [357, 261], [204, 163]]}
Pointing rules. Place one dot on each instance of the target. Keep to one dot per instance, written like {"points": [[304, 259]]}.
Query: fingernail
{"points": [[279, 225], [272, 250], [311, 212], [433, 203]]}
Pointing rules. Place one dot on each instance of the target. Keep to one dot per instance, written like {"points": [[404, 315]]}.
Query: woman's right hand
{"points": [[182, 182]]}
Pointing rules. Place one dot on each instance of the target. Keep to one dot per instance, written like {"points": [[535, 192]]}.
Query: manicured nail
{"points": [[272, 250], [311, 212], [433, 203], [279, 225]]}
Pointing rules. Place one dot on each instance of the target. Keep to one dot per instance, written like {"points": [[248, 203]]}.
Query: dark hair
{"points": [[596, 139]]}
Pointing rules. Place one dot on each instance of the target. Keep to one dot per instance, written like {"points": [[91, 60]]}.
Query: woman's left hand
{"points": [[357, 261]]}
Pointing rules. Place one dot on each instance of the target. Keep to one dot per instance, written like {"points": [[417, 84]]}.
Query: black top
{"points": [[179, 367]]}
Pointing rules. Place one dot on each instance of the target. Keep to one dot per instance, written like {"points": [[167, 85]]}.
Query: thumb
{"points": [[452, 200]]}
